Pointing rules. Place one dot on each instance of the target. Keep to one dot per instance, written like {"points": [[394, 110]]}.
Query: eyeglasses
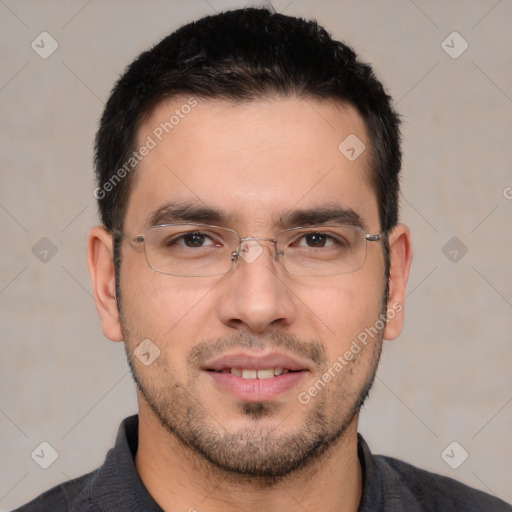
{"points": [[203, 250]]}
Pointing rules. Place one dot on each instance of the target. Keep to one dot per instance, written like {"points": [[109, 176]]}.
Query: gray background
{"points": [[447, 378]]}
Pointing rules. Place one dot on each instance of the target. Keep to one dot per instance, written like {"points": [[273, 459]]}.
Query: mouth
{"points": [[255, 378], [248, 373]]}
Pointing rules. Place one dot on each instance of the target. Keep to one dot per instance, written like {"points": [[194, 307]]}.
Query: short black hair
{"points": [[243, 55]]}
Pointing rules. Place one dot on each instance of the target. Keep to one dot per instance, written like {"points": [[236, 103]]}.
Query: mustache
{"points": [[312, 350]]}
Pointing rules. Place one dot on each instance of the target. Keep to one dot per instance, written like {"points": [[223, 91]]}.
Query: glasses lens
{"points": [[323, 250], [190, 249], [204, 250]]}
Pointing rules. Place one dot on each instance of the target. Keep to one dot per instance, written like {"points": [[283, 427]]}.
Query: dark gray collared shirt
{"points": [[390, 485]]}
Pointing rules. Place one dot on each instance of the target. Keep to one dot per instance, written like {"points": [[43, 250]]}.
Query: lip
{"points": [[251, 361], [255, 390]]}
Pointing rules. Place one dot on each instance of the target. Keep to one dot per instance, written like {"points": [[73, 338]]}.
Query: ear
{"points": [[400, 254], [101, 270]]}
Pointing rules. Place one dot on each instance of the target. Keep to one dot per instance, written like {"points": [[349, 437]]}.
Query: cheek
{"points": [[354, 340], [345, 306], [165, 314], [162, 307]]}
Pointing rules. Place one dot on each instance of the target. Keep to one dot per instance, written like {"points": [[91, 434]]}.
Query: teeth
{"points": [[265, 374], [256, 374]]}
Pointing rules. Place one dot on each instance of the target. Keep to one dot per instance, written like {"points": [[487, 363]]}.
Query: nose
{"points": [[255, 294]]}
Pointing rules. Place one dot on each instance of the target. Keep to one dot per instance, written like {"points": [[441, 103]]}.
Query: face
{"points": [[257, 370]]}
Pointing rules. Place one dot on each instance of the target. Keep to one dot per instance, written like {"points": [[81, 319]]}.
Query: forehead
{"points": [[252, 160]]}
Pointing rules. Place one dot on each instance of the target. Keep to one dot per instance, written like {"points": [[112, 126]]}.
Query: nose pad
{"points": [[250, 250]]}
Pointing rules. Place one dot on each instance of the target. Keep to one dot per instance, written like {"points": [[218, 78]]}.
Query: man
{"points": [[251, 261]]}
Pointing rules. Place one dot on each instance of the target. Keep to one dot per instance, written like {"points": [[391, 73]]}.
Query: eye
{"points": [[192, 240], [196, 239], [316, 240]]}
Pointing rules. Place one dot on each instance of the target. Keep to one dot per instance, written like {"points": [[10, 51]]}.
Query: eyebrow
{"points": [[328, 214], [176, 212]]}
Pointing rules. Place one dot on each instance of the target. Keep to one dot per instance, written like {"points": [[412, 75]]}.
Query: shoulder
{"points": [[392, 485], [61, 498], [114, 484], [431, 491]]}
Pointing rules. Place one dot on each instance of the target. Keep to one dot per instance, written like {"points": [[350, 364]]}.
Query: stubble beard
{"points": [[257, 452]]}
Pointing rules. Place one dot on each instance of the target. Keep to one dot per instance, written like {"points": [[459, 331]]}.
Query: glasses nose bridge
{"points": [[244, 247], [257, 239]]}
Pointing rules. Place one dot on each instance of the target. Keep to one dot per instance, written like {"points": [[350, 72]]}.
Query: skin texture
{"points": [[199, 446]]}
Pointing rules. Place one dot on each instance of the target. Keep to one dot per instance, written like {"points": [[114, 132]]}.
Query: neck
{"points": [[179, 479]]}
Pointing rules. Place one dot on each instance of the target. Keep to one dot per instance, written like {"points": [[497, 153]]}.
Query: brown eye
{"points": [[194, 239], [316, 240]]}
